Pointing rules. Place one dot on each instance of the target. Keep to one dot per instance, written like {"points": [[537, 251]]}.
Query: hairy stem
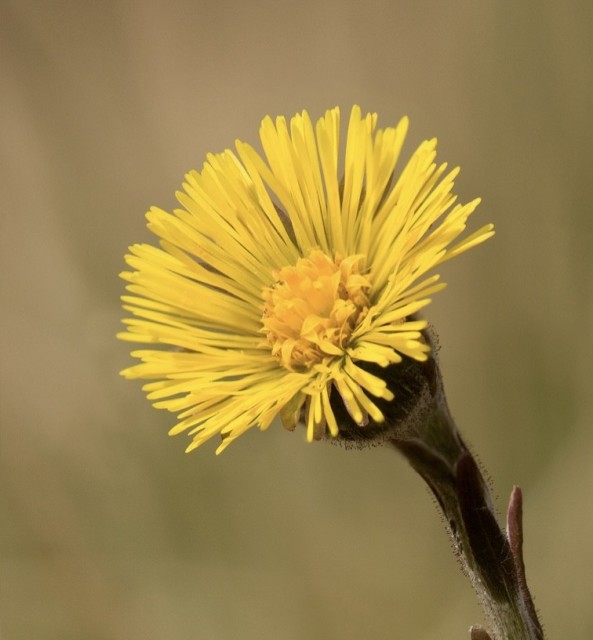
{"points": [[491, 558]]}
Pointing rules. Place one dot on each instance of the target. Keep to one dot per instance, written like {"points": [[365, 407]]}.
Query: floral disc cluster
{"points": [[284, 273]]}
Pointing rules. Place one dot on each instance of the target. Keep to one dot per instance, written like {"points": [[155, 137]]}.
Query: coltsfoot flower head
{"points": [[284, 278]]}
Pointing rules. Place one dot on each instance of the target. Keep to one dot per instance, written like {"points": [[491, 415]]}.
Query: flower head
{"points": [[279, 280]]}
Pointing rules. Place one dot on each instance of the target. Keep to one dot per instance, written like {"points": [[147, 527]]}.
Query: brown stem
{"points": [[419, 425], [491, 558]]}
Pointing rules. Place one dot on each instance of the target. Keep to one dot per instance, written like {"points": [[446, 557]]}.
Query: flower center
{"points": [[312, 308]]}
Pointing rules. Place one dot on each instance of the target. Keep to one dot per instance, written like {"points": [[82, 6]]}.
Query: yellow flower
{"points": [[278, 279]]}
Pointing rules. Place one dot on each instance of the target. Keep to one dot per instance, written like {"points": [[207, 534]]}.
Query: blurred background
{"points": [[109, 530]]}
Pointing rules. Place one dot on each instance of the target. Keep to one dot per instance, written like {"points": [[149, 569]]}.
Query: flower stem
{"points": [[490, 557]]}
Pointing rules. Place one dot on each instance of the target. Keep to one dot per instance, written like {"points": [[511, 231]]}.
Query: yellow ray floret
{"points": [[285, 273]]}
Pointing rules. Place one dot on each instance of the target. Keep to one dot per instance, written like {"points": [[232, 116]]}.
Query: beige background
{"points": [[109, 531]]}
